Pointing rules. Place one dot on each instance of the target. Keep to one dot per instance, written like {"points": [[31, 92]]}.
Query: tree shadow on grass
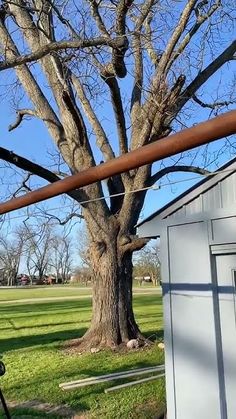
{"points": [[42, 339], [38, 326], [100, 387], [150, 299], [43, 307], [149, 315]]}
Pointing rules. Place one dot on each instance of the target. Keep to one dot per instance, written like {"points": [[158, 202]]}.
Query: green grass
{"points": [[8, 294], [31, 340], [40, 292]]}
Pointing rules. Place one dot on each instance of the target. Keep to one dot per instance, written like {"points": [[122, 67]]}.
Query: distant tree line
{"points": [[40, 249], [147, 265], [44, 253]]}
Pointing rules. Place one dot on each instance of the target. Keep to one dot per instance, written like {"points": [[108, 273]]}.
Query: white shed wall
{"points": [[199, 315], [191, 353], [222, 195]]}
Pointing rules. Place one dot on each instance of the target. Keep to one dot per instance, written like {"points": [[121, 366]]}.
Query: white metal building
{"points": [[198, 262]]}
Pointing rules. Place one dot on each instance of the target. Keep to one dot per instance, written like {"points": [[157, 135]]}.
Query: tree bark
{"points": [[113, 321], [128, 326]]}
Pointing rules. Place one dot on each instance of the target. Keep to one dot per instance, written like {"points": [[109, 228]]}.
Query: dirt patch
{"points": [[60, 411], [149, 410]]}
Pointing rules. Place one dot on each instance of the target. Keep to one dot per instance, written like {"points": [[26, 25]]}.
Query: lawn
{"points": [[9, 294], [31, 341], [41, 292]]}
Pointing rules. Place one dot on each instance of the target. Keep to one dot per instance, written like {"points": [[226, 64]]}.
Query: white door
{"points": [[226, 286]]}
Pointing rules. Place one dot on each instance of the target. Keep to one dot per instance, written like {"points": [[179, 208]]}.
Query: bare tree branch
{"points": [[178, 168], [62, 19], [203, 76], [122, 9], [102, 140], [59, 46], [154, 56], [78, 154], [23, 186], [120, 29], [97, 17], [158, 88], [138, 79], [178, 31], [201, 18], [64, 221], [213, 105], [144, 12], [33, 168], [118, 111], [136, 112], [41, 104]]}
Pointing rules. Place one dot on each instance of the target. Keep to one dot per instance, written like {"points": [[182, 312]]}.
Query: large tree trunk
{"points": [[113, 320], [127, 324]]}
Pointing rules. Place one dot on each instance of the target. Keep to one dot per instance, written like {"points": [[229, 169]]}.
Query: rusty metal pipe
{"points": [[203, 133]]}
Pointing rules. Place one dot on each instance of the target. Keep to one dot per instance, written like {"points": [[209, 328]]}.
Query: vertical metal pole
{"points": [[4, 405]]}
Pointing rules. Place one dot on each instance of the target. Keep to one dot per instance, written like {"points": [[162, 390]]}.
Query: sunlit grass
{"points": [[8, 294], [31, 340]]}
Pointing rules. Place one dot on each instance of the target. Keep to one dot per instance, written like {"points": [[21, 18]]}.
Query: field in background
{"points": [[57, 291], [31, 341]]}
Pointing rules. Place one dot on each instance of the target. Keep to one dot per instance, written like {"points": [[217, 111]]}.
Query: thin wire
{"points": [[153, 187]]}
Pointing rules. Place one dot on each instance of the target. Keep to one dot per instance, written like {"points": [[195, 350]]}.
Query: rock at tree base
{"points": [[133, 344]]}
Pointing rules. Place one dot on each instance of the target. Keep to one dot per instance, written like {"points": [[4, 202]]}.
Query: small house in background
{"points": [[198, 262]]}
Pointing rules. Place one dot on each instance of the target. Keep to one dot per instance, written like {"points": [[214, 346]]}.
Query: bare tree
{"points": [[61, 257], [83, 247], [163, 53], [11, 252], [38, 241], [84, 271], [147, 263]]}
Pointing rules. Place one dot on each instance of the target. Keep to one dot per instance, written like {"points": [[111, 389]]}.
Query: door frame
{"points": [[220, 250]]}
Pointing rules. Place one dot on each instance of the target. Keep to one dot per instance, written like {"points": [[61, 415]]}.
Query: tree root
{"points": [[92, 342]]}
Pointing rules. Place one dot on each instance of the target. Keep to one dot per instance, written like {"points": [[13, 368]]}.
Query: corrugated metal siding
{"points": [[228, 191], [222, 195], [195, 206], [211, 198]]}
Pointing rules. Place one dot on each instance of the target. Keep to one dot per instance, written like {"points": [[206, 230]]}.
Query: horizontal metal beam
{"points": [[200, 134], [110, 377], [133, 383]]}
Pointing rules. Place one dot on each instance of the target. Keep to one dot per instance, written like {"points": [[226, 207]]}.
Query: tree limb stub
{"points": [[20, 115], [134, 245]]}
